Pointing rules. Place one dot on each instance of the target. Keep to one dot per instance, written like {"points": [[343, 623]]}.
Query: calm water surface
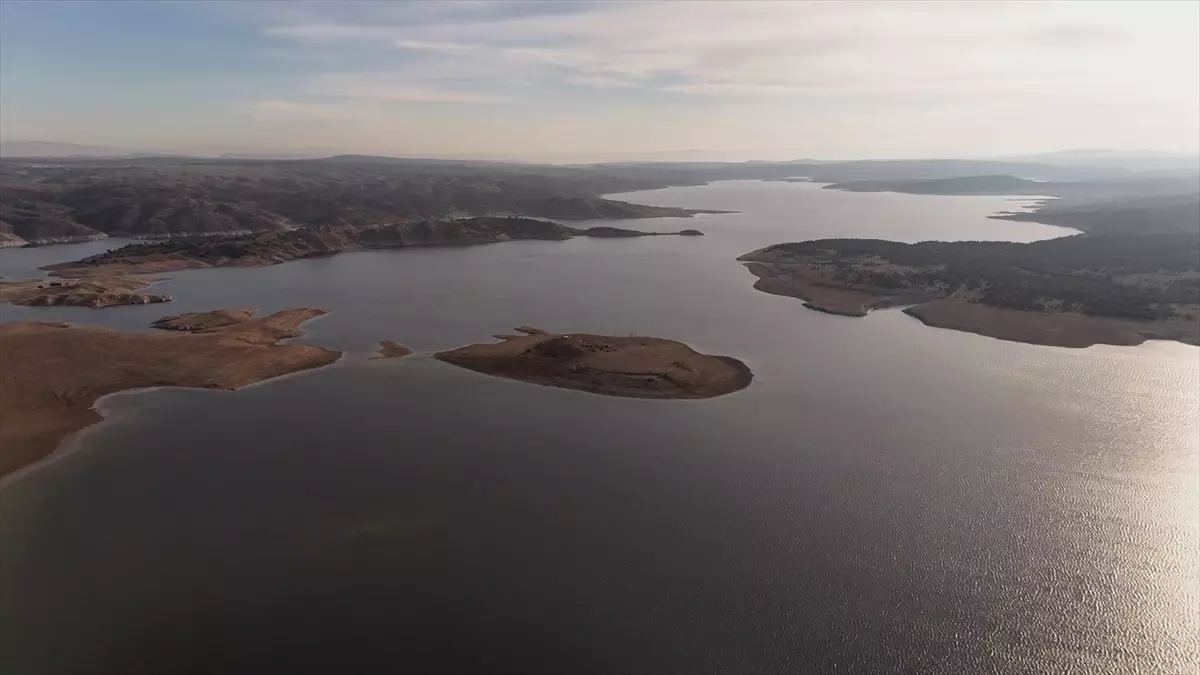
{"points": [[885, 497]]}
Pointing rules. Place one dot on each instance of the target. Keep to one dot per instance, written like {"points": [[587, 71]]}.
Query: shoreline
{"points": [[1046, 329], [983, 287], [276, 248], [51, 406], [1071, 331], [70, 443]]}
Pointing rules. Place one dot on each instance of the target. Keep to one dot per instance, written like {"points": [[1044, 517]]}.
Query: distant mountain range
{"points": [[73, 195], [1100, 154], [1132, 159], [51, 149], [68, 199]]}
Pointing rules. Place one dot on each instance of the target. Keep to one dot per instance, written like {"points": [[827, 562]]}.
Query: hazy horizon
{"points": [[68, 150], [590, 81]]}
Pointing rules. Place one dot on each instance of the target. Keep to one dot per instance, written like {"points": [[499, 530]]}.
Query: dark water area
{"points": [[884, 498], [24, 263]]}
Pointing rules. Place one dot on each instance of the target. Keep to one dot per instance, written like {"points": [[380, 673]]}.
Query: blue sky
{"points": [[603, 80]]}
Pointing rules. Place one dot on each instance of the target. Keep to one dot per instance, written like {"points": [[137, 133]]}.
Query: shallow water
{"points": [[885, 497]]}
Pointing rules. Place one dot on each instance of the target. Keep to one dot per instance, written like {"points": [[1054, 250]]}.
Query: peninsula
{"points": [[271, 248], [80, 199], [95, 292], [54, 372], [1072, 292], [636, 367]]}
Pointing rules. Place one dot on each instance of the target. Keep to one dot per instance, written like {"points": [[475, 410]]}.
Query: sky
{"points": [[602, 81]]}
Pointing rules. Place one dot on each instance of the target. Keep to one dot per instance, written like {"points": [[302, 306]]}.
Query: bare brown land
{"points": [[10, 240], [202, 322], [391, 350], [814, 287], [52, 373], [1061, 329], [637, 367], [95, 292]]}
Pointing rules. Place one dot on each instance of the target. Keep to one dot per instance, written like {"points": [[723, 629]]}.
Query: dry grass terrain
{"points": [[52, 373], [639, 367], [1062, 329], [95, 292]]}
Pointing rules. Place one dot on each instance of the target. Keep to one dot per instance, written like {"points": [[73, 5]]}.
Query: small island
{"points": [[635, 367], [54, 372], [391, 350], [95, 292], [605, 231]]}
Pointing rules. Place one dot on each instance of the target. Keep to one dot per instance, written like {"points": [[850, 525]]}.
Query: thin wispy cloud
{"points": [[311, 110], [879, 78], [387, 88], [752, 48]]}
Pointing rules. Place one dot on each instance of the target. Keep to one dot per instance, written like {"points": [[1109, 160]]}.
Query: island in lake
{"points": [[270, 248], [637, 367], [391, 350], [54, 372], [95, 292]]}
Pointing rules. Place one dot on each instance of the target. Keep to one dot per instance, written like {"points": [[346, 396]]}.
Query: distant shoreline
{"points": [[273, 248]]}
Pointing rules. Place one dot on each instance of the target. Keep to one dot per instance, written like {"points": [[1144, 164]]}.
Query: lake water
{"points": [[884, 498]]}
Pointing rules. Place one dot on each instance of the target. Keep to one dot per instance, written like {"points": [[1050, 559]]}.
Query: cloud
{"points": [[751, 49], [357, 96], [439, 47], [599, 81], [735, 89], [386, 88], [884, 75], [310, 110]]}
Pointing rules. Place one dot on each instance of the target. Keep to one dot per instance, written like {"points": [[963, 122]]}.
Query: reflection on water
{"points": [[886, 497]]}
